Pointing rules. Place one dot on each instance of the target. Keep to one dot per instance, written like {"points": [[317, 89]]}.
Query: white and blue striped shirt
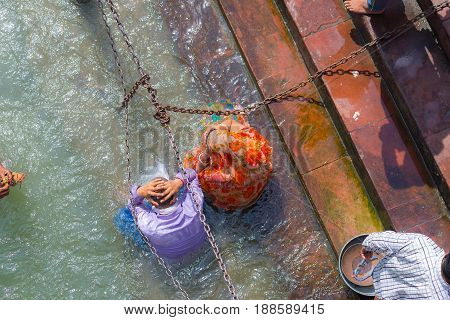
{"points": [[410, 268]]}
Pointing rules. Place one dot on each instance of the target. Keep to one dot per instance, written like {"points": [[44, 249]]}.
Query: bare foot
{"points": [[360, 6]]}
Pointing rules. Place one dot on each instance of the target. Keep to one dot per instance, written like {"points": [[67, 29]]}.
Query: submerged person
{"points": [[366, 6], [412, 267], [233, 162], [166, 216]]}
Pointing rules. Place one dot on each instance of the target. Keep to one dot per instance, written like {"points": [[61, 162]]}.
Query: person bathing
{"points": [[166, 216], [233, 162]]}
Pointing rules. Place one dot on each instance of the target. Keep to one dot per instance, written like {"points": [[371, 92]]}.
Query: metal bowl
{"points": [[365, 290]]}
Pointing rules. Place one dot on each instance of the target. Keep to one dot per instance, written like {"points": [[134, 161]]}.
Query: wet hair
{"points": [[164, 204], [446, 267]]}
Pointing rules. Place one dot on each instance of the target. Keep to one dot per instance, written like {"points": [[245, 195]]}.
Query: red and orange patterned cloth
{"points": [[240, 166]]}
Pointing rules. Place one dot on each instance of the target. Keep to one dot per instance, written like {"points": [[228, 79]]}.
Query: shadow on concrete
{"points": [[415, 70]]}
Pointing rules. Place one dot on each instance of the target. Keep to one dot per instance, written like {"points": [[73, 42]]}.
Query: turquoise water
{"points": [[58, 98]]}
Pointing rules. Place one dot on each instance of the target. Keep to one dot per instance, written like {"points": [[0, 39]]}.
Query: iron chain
{"points": [[199, 209], [160, 260], [398, 30], [164, 119]]}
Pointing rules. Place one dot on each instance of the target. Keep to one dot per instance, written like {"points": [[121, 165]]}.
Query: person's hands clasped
{"points": [[170, 188], [5, 181], [152, 189]]}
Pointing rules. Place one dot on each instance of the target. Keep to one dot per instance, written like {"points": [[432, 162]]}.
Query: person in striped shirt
{"points": [[412, 266]]}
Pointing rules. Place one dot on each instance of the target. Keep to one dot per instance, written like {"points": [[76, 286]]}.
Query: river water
{"points": [[59, 95]]}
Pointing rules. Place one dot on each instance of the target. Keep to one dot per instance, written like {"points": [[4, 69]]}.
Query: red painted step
{"points": [[418, 73], [366, 109], [334, 186], [298, 245]]}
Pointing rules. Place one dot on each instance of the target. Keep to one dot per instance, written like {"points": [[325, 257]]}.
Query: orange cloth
{"points": [[241, 164]]}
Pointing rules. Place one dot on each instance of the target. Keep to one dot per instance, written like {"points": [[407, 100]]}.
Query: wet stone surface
{"points": [[308, 133], [417, 212], [439, 144], [438, 230], [276, 65], [387, 157], [421, 71], [440, 24]]}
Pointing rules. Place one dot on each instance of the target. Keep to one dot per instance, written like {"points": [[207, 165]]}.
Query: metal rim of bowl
{"points": [[368, 291]]}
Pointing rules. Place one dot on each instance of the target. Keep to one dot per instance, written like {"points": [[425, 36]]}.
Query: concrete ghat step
{"points": [[418, 74], [440, 23], [218, 68], [368, 117], [335, 188]]}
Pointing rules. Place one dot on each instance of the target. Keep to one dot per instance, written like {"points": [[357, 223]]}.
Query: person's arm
{"points": [[138, 202], [191, 176], [387, 242], [5, 181]]}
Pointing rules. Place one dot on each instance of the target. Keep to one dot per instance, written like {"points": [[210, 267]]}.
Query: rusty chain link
{"points": [[398, 30], [353, 72], [121, 27], [199, 209], [163, 117]]}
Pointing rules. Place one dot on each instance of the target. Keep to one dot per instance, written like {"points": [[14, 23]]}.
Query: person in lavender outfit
{"points": [[166, 216]]}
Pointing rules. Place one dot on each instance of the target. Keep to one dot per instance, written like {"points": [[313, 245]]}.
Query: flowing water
{"points": [[60, 124]]}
